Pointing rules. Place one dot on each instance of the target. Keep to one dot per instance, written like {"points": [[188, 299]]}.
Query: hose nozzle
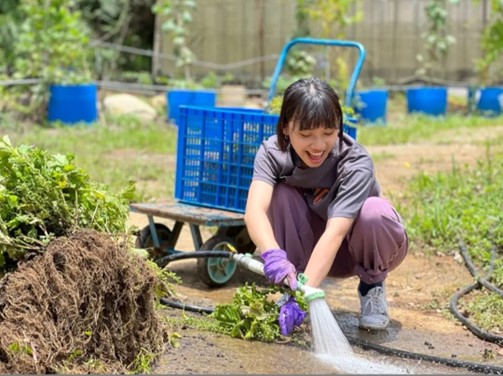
{"points": [[310, 293]]}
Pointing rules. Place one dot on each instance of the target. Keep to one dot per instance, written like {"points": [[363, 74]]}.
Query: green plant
{"points": [[436, 38], [491, 43], [177, 15], [52, 46], [300, 63], [253, 315], [53, 43], [378, 82], [43, 196], [10, 20]]}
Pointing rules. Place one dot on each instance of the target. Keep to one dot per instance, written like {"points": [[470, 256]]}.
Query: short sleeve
{"points": [[264, 167]]}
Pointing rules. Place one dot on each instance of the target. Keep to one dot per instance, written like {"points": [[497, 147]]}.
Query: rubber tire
{"points": [[216, 271], [238, 233], [144, 240]]}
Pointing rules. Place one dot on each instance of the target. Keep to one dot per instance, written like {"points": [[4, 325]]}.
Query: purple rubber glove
{"points": [[277, 268], [290, 316]]}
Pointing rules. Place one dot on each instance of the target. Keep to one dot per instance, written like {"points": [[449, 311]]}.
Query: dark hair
{"points": [[311, 103]]}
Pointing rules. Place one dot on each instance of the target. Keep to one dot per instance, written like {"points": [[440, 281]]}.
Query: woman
{"points": [[314, 205]]}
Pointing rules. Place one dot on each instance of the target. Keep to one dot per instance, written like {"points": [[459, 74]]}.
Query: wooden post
{"points": [[156, 50]]}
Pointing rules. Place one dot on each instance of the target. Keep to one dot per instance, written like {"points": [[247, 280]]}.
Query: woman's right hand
{"points": [[277, 268]]}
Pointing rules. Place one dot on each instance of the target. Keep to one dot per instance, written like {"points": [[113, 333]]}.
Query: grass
{"points": [[403, 128], [113, 152]]}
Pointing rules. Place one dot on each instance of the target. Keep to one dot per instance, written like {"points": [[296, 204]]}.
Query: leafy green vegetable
{"points": [[43, 196], [252, 315]]}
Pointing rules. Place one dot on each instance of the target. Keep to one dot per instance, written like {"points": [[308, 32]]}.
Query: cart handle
{"points": [[324, 42]]}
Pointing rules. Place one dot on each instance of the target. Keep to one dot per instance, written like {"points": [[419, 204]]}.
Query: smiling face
{"points": [[312, 145], [311, 118]]}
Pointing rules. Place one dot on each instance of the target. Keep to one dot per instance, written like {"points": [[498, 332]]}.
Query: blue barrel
{"points": [[71, 104], [373, 106], [427, 100], [188, 97], [349, 126], [491, 101]]}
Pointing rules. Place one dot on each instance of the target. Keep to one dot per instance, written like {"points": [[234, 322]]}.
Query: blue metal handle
{"points": [[323, 42]]}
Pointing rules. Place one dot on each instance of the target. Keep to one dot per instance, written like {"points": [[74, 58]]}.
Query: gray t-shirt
{"points": [[337, 188]]}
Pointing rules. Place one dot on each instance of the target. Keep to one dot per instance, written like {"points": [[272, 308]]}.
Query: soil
{"points": [[418, 291]]}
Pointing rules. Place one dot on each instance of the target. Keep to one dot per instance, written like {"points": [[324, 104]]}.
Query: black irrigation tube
{"points": [[470, 366], [163, 261], [481, 282], [186, 307]]}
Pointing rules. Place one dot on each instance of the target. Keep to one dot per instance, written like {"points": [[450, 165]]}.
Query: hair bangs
{"points": [[316, 112]]}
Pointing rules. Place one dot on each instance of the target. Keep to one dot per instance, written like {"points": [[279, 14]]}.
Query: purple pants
{"points": [[376, 243]]}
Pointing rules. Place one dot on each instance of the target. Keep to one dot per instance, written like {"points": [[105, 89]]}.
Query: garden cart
{"points": [[215, 152]]}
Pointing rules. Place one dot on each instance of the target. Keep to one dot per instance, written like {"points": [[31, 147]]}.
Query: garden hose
{"points": [[165, 260], [481, 282]]}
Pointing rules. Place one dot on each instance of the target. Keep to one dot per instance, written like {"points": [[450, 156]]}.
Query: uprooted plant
{"points": [[74, 298]]}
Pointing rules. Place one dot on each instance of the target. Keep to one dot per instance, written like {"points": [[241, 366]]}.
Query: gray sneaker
{"points": [[374, 309]]}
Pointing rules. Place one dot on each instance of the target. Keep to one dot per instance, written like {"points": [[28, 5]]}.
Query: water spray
{"points": [[330, 344]]}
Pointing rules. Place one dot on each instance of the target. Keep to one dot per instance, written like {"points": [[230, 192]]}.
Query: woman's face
{"points": [[311, 145]]}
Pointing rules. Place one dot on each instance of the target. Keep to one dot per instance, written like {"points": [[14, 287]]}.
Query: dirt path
{"points": [[418, 291]]}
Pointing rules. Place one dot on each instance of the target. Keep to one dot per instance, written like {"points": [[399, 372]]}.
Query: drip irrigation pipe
{"points": [[481, 282], [470, 366]]}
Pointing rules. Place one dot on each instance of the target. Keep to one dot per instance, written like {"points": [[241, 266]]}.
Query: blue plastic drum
{"points": [[427, 100], [72, 104], [491, 101], [188, 97], [374, 104]]}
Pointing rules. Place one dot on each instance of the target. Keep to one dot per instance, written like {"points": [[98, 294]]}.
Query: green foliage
{"points": [[436, 38], [177, 15], [43, 196], [302, 18], [53, 43], [334, 16], [491, 43], [252, 314], [414, 128], [486, 309], [10, 19], [300, 63], [463, 204]]}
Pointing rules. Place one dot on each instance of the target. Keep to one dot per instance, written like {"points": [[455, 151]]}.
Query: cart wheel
{"points": [[144, 240], [216, 271], [239, 235]]}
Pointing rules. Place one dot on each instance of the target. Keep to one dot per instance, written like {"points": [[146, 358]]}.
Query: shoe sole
{"points": [[373, 327]]}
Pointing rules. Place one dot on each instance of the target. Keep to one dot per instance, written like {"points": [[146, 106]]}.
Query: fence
{"points": [[244, 37]]}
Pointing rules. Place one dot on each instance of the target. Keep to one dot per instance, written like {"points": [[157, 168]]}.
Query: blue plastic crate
{"points": [[215, 153]]}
